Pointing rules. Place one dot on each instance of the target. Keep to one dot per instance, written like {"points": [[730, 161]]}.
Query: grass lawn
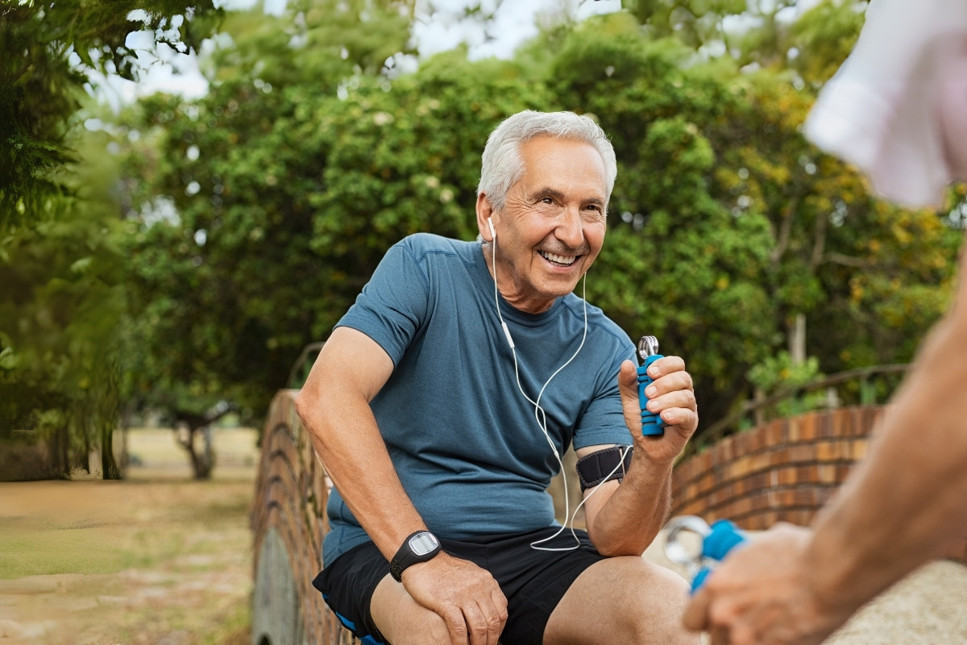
{"points": [[155, 558]]}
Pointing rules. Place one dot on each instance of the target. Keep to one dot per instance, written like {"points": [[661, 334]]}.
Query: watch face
{"points": [[423, 543]]}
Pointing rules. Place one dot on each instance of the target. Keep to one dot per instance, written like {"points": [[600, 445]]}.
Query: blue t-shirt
{"points": [[465, 442]]}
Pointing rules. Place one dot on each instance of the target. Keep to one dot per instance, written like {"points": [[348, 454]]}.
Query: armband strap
{"points": [[603, 465]]}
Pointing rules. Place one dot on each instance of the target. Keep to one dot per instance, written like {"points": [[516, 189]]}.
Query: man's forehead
{"points": [[549, 158]]}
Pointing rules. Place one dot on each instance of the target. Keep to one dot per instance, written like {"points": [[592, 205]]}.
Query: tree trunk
{"points": [[109, 466], [86, 456], [797, 340], [60, 461], [202, 464]]}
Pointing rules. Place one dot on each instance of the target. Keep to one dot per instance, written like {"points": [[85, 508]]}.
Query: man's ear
{"points": [[485, 223]]}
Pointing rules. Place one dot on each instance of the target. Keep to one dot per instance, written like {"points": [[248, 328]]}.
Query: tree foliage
{"points": [[41, 85], [322, 41], [285, 201], [60, 271], [253, 215], [727, 229], [63, 295]]}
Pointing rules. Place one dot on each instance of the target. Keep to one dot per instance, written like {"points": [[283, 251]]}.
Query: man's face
{"points": [[553, 222]]}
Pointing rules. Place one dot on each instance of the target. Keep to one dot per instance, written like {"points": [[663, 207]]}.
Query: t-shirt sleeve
{"points": [[603, 422], [392, 306]]}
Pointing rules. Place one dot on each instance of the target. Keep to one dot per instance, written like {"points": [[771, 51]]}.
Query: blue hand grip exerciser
{"points": [[717, 541], [651, 423]]}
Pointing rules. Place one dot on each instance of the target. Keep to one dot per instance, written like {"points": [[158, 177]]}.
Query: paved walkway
{"points": [[929, 607]]}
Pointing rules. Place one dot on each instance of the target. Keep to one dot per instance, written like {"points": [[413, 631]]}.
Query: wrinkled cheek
{"points": [[590, 260]]}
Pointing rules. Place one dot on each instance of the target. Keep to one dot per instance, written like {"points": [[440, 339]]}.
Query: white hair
{"points": [[502, 165]]}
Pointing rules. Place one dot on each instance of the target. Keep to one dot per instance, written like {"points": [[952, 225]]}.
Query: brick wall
{"points": [[782, 471], [288, 523]]}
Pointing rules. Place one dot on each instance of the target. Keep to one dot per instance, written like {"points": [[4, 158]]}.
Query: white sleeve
{"points": [[884, 109]]}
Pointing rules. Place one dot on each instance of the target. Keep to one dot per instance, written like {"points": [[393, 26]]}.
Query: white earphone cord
{"points": [[541, 416]]}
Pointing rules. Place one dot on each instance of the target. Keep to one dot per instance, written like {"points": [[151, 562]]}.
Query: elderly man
{"points": [[445, 397]]}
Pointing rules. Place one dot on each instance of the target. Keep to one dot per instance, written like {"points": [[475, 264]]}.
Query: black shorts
{"points": [[533, 581]]}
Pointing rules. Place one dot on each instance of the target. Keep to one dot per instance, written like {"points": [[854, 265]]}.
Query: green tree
{"points": [[817, 44], [63, 295], [62, 291], [763, 32], [42, 85], [262, 209], [325, 41], [695, 23], [680, 261], [730, 236]]}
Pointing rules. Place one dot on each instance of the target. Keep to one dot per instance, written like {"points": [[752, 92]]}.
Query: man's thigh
{"points": [[402, 620], [534, 571], [347, 585], [622, 600]]}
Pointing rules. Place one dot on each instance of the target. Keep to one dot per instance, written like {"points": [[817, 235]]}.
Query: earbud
{"points": [[490, 223]]}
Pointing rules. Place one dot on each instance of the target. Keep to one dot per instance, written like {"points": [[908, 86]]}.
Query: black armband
{"points": [[603, 465]]}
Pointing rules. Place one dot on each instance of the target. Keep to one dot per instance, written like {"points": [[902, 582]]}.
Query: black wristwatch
{"points": [[418, 547]]}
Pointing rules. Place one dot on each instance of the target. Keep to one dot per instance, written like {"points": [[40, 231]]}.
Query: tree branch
{"points": [[848, 260]]}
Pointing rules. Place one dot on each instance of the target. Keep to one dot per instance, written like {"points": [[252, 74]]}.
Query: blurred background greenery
{"points": [[169, 256]]}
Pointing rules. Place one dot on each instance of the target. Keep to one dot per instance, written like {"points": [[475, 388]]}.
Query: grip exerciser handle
{"points": [[722, 538], [716, 543], [651, 423]]}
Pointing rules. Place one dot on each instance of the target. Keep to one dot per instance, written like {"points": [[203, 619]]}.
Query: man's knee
{"points": [[623, 599], [657, 617], [418, 630], [402, 620]]}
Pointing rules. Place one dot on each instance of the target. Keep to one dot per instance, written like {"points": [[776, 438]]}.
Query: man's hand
{"points": [[671, 396], [467, 598], [763, 594], [623, 520]]}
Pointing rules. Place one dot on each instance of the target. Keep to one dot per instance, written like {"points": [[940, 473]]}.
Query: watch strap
{"points": [[405, 557]]}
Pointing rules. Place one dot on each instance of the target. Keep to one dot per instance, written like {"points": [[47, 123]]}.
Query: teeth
{"points": [[559, 259]]}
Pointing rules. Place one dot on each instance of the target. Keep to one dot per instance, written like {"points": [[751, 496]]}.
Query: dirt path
{"points": [[161, 560], [155, 559]]}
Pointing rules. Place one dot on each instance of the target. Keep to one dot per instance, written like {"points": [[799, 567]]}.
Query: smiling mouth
{"points": [[561, 260]]}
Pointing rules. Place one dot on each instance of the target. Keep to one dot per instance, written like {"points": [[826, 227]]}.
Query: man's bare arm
{"points": [[905, 502], [897, 510], [334, 407], [623, 520]]}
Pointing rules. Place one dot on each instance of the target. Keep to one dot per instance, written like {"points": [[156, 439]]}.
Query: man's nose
{"points": [[570, 230]]}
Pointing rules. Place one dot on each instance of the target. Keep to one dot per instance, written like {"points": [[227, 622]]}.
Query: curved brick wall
{"points": [[288, 523], [782, 471]]}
